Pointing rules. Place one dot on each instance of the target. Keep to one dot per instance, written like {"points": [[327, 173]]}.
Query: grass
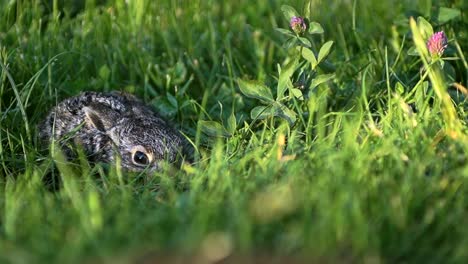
{"points": [[373, 167]]}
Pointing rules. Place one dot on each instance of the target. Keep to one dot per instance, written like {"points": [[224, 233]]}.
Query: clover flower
{"points": [[298, 25], [437, 43]]}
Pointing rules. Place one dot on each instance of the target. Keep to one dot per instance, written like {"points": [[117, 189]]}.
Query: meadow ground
{"points": [[308, 150]]}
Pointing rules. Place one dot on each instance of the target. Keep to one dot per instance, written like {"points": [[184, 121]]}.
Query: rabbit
{"points": [[105, 125]]}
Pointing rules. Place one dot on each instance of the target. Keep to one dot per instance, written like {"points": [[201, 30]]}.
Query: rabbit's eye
{"points": [[140, 158]]}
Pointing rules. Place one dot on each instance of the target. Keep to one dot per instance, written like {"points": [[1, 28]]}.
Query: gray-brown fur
{"points": [[110, 124]]}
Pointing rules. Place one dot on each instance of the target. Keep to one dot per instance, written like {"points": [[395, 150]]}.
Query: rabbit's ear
{"points": [[99, 117]]}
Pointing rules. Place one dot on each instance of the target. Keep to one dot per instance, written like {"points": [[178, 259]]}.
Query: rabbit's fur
{"points": [[109, 124]]}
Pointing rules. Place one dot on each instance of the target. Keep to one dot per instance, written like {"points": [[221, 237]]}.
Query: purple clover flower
{"points": [[298, 25], [437, 43]]}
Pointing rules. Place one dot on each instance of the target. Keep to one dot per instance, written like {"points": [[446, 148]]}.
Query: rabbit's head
{"points": [[142, 141]]}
